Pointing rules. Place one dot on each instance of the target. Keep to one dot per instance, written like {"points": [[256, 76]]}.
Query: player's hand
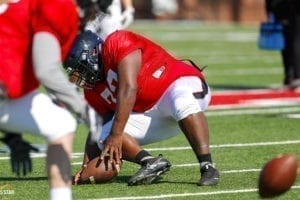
{"points": [[113, 148], [93, 121], [127, 17], [19, 153], [76, 178]]}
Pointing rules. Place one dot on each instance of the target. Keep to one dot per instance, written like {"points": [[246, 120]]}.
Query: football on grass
{"points": [[99, 171], [277, 175]]}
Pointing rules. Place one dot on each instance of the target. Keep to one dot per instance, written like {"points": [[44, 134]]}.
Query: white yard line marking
{"points": [[287, 142], [228, 145], [164, 196], [202, 36], [214, 110], [250, 91], [293, 116], [230, 72], [197, 164]]}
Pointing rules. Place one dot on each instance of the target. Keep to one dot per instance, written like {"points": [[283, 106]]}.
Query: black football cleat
{"points": [[150, 171], [209, 175]]}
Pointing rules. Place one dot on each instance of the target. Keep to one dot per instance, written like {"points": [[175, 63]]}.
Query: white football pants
{"points": [[37, 114], [160, 122]]}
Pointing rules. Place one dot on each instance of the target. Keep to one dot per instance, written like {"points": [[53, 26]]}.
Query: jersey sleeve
{"points": [[117, 46], [58, 17]]}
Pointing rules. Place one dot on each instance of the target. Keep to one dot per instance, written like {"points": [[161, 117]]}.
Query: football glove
{"points": [[127, 17], [19, 153]]}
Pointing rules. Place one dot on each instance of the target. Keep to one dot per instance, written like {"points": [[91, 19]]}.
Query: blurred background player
{"points": [[118, 15], [144, 95], [287, 12], [35, 39], [165, 10], [176, 9]]}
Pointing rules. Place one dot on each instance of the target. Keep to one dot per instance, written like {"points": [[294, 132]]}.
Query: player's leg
{"points": [[58, 126], [187, 98], [151, 167], [131, 149], [296, 51], [36, 113], [287, 55], [195, 128], [58, 167]]}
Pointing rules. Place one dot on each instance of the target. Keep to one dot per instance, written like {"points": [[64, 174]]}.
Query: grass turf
{"points": [[234, 61]]}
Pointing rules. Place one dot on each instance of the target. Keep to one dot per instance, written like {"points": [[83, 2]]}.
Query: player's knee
{"points": [[186, 110]]}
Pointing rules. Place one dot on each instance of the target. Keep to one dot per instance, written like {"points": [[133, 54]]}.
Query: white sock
{"points": [[60, 194]]}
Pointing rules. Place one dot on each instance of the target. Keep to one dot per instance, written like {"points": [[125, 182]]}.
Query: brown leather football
{"points": [[278, 175], [99, 171]]}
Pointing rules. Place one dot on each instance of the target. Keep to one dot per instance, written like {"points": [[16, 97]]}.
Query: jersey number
{"points": [[112, 82]]}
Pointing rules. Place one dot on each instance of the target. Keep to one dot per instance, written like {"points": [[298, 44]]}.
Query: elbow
{"points": [[132, 90], [129, 91], [42, 77]]}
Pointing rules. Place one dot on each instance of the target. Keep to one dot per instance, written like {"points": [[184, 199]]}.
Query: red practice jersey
{"points": [[159, 69], [20, 20]]}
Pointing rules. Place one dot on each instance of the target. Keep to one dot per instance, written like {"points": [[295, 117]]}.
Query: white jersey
{"points": [[160, 7], [115, 9], [114, 19]]}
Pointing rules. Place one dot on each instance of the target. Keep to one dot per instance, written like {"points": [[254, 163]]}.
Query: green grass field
{"points": [[242, 140]]}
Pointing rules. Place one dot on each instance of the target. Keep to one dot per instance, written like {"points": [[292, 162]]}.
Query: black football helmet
{"points": [[84, 64]]}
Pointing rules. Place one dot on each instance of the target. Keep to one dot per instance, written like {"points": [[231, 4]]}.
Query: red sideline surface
{"points": [[242, 96]]}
